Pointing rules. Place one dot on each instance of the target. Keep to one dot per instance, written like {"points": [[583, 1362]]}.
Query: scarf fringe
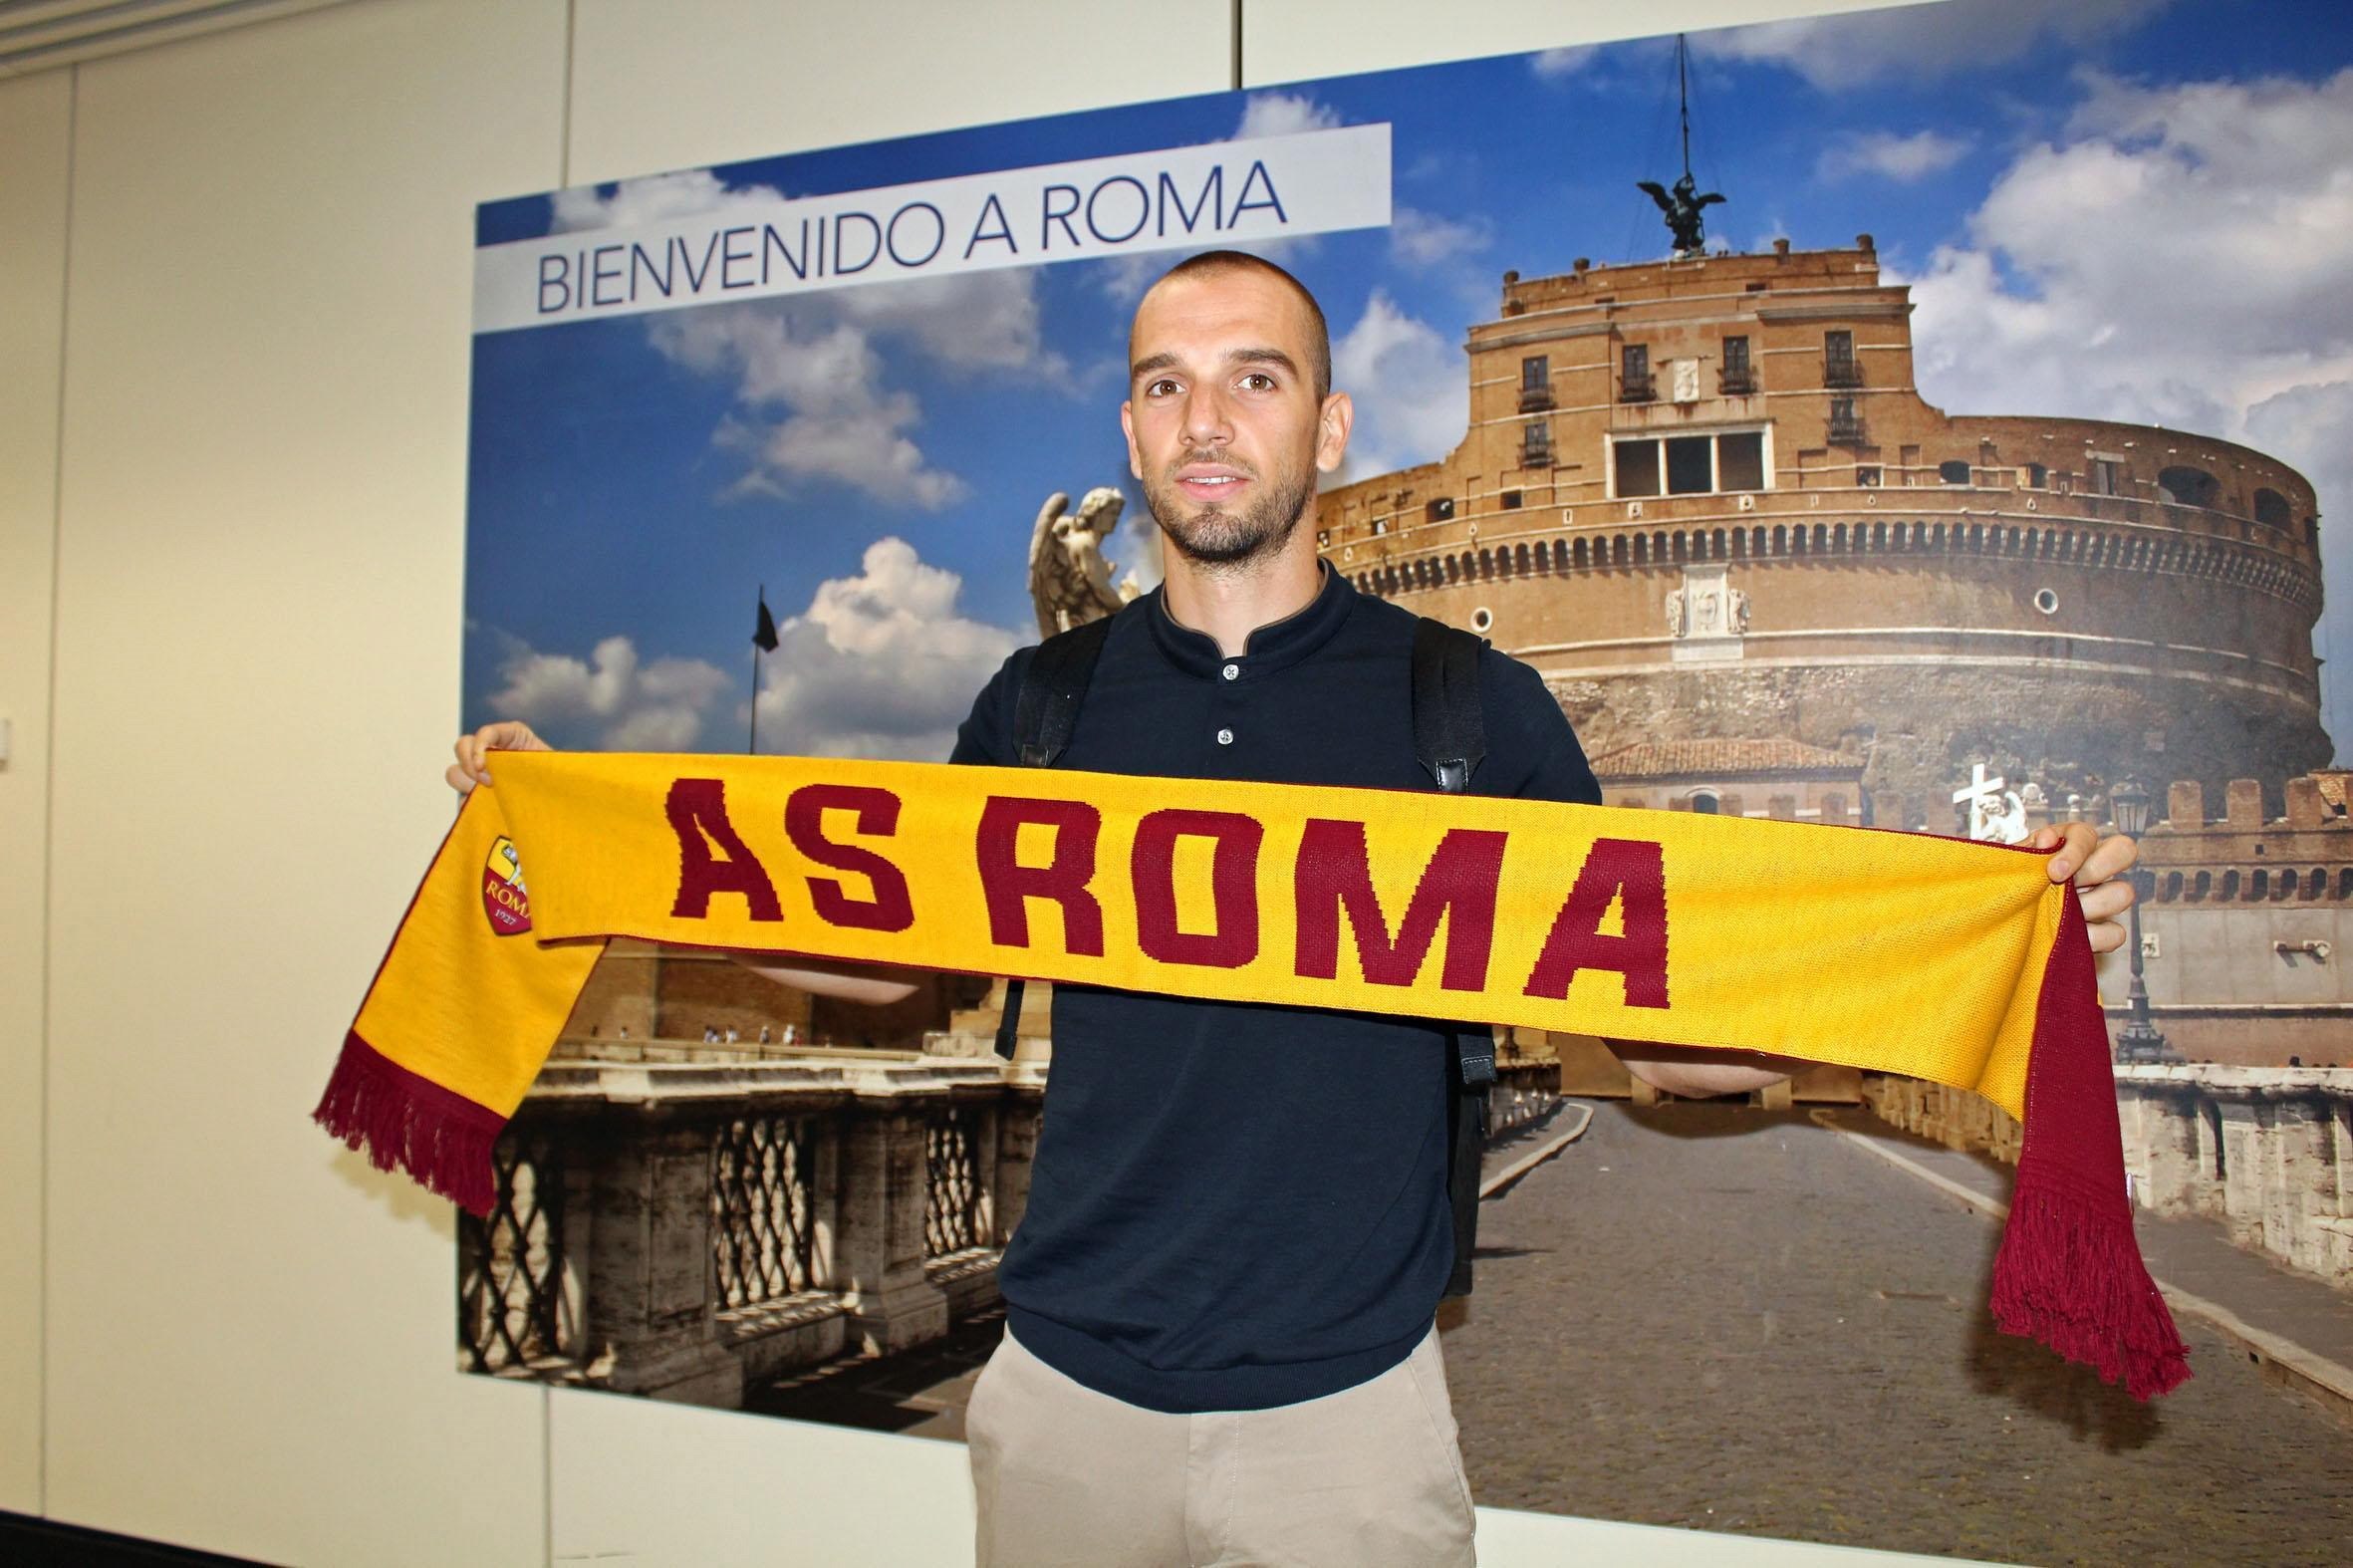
{"points": [[401, 1120], [2072, 1278]]}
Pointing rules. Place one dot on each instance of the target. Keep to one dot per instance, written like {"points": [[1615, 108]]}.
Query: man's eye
{"points": [[1258, 381], [1159, 389]]}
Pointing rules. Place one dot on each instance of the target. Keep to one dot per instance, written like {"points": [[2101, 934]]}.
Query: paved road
{"points": [[1731, 1320]]}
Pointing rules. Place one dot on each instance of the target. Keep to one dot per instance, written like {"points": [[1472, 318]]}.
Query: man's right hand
{"points": [[473, 752]]}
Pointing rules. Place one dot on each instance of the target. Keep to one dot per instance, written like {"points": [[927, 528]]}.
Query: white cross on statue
{"points": [[1996, 815]]}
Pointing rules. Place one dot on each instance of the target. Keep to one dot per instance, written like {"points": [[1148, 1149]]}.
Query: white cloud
{"points": [[838, 423], [654, 200], [1424, 239], [1915, 41], [612, 702], [1889, 156], [1408, 381], [1553, 65], [2177, 258], [881, 665], [1284, 114]]}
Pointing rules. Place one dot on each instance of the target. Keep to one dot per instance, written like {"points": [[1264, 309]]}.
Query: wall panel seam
{"points": [[57, 535]]}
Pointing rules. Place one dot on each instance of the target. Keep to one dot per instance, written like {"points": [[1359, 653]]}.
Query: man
{"points": [[1220, 1340]]}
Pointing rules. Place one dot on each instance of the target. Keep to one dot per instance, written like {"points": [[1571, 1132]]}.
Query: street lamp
{"points": [[2138, 1040]]}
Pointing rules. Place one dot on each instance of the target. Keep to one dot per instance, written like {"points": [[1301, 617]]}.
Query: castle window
{"points": [[1440, 510], [1739, 379], [2229, 887], [2345, 882], [2107, 476], [1535, 383], [1535, 445], [2206, 884], [1840, 368], [2272, 508], [1954, 472], [1866, 475], [2316, 884], [1509, 500], [2037, 477], [1739, 460], [2260, 887], [1380, 525], [1690, 465], [2173, 888], [1635, 467], [1634, 372], [2287, 884], [1704, 802], [2189, 486], [1845, 428]]}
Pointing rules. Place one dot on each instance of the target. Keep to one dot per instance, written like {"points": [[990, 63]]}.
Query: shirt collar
{"points": [[1275, 646]]}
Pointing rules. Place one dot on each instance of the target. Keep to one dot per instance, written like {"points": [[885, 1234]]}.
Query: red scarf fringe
{"points": [[2069, 1273], [399, 1119]]}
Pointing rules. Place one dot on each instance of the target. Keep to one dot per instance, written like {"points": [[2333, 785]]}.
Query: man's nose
{"points": [[1206, 418]]}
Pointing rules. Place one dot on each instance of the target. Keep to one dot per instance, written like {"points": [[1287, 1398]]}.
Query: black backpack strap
{"points": [[1451, 741], [1053, 687], [1449, 735], [1045, 713]]}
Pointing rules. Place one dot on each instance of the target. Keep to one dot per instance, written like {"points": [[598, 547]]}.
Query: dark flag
{"points": [[764, 634]]}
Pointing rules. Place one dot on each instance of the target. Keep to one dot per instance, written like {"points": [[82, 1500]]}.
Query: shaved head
{"points": [[1212, 263]]}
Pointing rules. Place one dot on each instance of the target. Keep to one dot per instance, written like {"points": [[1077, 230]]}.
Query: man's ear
{"points": [[1128, 428], [1331, 432]]}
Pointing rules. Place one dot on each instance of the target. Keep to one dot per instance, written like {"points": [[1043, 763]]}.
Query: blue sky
{"points": [[2060, 187]]}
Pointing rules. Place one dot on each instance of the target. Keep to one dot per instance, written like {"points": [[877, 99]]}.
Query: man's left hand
{"points": [[2097, 866]]}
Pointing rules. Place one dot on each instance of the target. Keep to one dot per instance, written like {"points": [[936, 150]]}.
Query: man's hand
{"points": [[2096, 866], [473, 752]]}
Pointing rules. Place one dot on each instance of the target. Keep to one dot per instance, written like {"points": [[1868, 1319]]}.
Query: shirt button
{"points": [[1233, 672], [1226, 737]]}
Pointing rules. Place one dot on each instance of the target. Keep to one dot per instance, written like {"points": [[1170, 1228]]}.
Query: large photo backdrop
{"points": [[1923, 418]]}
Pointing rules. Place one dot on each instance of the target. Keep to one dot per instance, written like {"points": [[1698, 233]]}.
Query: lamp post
{"points": [[2138, 1040]]}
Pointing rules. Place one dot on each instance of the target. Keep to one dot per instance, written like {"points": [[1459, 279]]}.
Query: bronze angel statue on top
{"points": [[1681, 210]]}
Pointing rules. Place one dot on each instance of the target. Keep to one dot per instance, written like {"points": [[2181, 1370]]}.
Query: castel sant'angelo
{"points": [[1705, 499]]}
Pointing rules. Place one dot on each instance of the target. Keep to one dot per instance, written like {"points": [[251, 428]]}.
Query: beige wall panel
{"points": [[35, 120], [258, 618], [1292, 39], [638, 1482], [682, 86]]}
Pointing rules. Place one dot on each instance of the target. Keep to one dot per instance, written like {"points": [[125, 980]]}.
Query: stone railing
{"points": [[2266, 1152], [686, 1230], [1522, 1092]]}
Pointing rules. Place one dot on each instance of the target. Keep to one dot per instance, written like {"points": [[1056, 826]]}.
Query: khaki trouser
{"points": [[1364, 1478]]}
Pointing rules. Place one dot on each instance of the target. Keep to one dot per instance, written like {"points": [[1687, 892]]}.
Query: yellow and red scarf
{"points": [[1935, 958]]}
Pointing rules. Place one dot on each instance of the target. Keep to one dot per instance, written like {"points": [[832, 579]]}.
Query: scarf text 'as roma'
{"points": [[1936, 957]]}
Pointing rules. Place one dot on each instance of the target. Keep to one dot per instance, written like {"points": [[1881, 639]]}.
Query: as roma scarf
{"points": [[1935, 958]]}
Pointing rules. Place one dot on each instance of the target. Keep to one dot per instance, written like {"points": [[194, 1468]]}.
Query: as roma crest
{"points": [[503, 897]]}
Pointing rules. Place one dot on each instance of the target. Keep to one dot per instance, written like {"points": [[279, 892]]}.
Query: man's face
{"points": [[1223, 425]]}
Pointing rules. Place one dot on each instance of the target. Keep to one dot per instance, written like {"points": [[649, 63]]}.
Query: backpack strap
{"points": [[1045, 714], [1449, 739], [1449, 735], [1052, 687]]}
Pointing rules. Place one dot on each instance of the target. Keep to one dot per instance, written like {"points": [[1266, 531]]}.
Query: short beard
{"points": [[1214, 537]]}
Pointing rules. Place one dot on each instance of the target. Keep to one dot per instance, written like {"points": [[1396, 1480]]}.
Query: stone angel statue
{"points": [[1069, 579]]}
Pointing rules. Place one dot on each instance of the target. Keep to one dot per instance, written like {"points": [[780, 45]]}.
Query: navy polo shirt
{"points": [[1236, 1206]]}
